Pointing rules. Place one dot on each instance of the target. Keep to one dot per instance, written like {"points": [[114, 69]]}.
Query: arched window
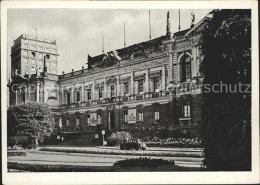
{"points": [[185, 68]]}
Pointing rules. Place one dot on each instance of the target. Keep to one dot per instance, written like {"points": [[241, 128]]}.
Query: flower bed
{"points": [[174, 142], [10, 154], [56, 168], [126, 152], [143, 162]]}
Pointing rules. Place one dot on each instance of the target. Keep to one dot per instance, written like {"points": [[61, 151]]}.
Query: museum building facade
{"points": [[156, 82]]}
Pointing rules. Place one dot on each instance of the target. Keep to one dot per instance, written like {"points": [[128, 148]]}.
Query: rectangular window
{"points": [[47, 64], [33, 69], [88, 119], [125, 117], [77, 121], [33, 54], [54, 57], [101, 91], [141, 116], [186, 109], [41, 48], [98, 119], [126, 88], [67, 122], [26, 45], [47, 56], [40, 55], [188, 71], [112, 91], [89, 94], [48, 49], [156, 115], [26, 61], [33, 62], [140, 86], [26, 53], [48, 70], [156, 83]]}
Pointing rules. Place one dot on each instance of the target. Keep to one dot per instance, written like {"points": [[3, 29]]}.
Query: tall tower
{"points": [[27, 55]]}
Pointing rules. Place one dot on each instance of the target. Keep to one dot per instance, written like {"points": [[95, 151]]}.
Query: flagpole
{"points": [[150, 31]]}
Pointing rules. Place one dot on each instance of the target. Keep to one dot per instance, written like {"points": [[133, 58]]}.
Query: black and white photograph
{"points": [[114, 89]]}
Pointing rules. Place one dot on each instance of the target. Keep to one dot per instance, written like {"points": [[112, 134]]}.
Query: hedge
{"points": [[10, 154], [124, 152], [56, 168]]}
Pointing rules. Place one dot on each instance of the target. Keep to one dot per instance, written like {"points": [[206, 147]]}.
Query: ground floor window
{"points": [[125, 117], [186, 109], [99, 119], [77, 121], [88, 119], [141, 116], [68, 122], [156, 115]]}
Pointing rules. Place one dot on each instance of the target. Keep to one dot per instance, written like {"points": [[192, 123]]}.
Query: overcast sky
{"points": [[78, 32]]}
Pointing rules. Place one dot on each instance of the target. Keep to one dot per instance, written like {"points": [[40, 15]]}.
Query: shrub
{"points": [[143, 162], [117, 138], [10, 154], [55, 168]]}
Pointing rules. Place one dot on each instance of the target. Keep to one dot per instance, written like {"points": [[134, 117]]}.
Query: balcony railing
{"points": [[185, 122], [133, 97]]}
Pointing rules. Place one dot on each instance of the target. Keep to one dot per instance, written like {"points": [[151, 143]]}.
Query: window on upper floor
{"points": [[126, 88], [48, 49], [140, 86], [47, 64], [40, 55], [112, 91], [25, 53], [185, 68], [89, 94], [33, 54], [41, 48], [156, 82], [33, 62], [26, 45]]}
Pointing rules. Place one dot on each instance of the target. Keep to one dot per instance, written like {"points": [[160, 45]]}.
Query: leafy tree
{"points": [[226, 47], [32, 119]]}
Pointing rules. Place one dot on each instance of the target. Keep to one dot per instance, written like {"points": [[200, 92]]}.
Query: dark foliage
{"points": [[10, 154], [55, 168], [226, 47], [31, 119], [143, 162]]}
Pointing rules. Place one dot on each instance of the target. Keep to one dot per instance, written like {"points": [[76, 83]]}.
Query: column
{"points": [[132, 83], [117, 86], [62, 96], [82, 93], [37, 92], [163, 78], [105, 88], [72, 95], [170, 67], [93, 90], [147, 84]]}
